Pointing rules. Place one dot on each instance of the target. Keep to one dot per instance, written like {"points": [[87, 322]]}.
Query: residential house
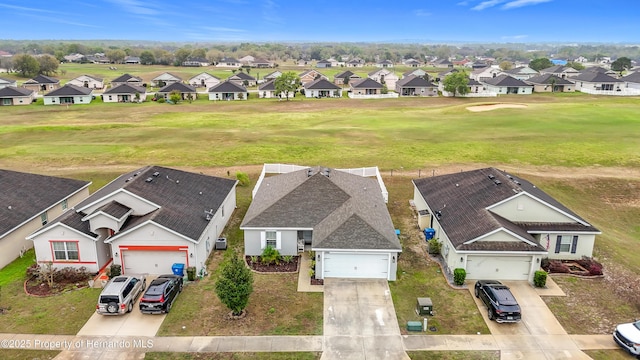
{"points": [[132, 60], [75, 58], [384, 64], [415, 86], [187, 92], [323, 64], [303, 62], [345, 78], [550, 83], [41, 83], [125, 93], [366, 86], [228, 90], [505, 84], [498, 226], [30, 201], [246, 60], [127, 79], [272, 75], [595, 82], [196, 62], [69, 94], [412, 63], [322, 88], [165, 79], [414, 72], [229, 62], [444, 74], [632, 81], [242, 78], [340, 216], [355, 63], [521, 72], [476, 87], [560, 71], [204, 80], [443, 63], [11, 95], [600, 69], [145, 221], [267, 90], [88, 81], [485, 73], [7, 82], [385, 77], [261, 63], [311, 75]]}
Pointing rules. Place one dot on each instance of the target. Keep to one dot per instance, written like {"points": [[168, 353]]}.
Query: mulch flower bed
{"points": [[37, 288], [315, 281], [283, 267]]}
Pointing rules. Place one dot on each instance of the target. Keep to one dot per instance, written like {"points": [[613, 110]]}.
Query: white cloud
{"points": [[487, 4], [222, 29], [514, 37], [421, 12], [520, 3], [270, 12], [22, 8], [135, 7]]}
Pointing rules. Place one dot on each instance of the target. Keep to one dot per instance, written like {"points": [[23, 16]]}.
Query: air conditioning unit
{"points": [[221, 244]]}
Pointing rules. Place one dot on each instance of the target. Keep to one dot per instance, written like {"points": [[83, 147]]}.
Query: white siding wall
{"points": [[86, 248]]}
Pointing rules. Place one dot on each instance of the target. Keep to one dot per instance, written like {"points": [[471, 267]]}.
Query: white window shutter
{"points": [[263, 239], [278, 240]]}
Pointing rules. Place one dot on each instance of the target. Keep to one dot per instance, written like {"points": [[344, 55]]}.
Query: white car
{"points": [[628, 336], [119, 295]]}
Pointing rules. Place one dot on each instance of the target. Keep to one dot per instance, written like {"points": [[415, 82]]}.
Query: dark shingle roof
{"points": [[242, 76], [547, 79], [463, 198], [70, 90], [126, 89], [633, 77], [321, 84], [269, 85], [11, 91], [345, 211], [182, 196], [25, 196], [505, 80], [126, 77], [114, 209], [3, 80], [414, 81], [183, 88], [595, 77], [42, 79], [367, 83], [227, 86], [344, 75]]}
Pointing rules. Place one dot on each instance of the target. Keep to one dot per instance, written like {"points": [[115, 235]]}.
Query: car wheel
{"points": [[490, 313], [112, 308], [168, 307], [476, 292], [130, 307]]}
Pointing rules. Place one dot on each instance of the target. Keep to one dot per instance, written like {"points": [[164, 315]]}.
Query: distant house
{"points": [[196, 62], [384, 64], [595, 82], [75, 58], [415, 86], [267, 90], [204, 80], [476, 87], [88, 81], [444, 74], [242, 78], [126, 79], [229, 62], [41, 83], [30, 201], [132, 60], [560, 71], [366, 86], [7, 82], [632, 80], [187, 92], [414, 72], [505, 84], [246, 60], [443, 63], [550, 83], [485, 73], [261, 63], [345, 78], [125, 93], [165, 79], [385, 77], [311, 75], [412, 63], [321, 88], [69, 94], [323, 64], [272, 75], [11, 95], [228, 90], [599, 69], [521, 72], [355, 63]]}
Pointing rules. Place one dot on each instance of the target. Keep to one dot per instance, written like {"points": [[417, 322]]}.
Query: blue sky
{"points": [[320, 21]]}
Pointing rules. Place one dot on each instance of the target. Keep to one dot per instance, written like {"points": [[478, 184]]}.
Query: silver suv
{"points": [[119, 295]]}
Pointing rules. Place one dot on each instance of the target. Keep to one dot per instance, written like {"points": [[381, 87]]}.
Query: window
{"points": [[271, 239], [44, 218], [566, 243], [65, 250], [64, 204]]}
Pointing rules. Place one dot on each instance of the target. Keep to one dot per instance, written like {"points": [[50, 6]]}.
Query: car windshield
{"points": [[637, 324]]}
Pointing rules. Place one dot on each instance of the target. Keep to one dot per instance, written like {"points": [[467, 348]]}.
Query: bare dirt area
{"points": [[489, 107]]}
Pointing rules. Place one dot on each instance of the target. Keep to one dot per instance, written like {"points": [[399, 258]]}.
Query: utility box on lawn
{"points": [[414, 326], [424, 306]]}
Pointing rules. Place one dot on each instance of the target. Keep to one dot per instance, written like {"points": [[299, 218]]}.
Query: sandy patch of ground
{"points": [[489, 107]]}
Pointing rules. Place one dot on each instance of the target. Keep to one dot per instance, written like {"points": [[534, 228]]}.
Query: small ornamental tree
{"points": [[234, 285], [175, 96], [287, 84], [456, 83]]}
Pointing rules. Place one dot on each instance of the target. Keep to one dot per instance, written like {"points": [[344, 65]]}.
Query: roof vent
{"points": [[326, 172], [208, 214], [491, 177], [156, 174], [129, 179], [149, 179], [309, 172], [497, 182]]}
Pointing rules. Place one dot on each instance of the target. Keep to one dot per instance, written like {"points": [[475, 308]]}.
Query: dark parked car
{"points": [[501, 305], [161, 294]]}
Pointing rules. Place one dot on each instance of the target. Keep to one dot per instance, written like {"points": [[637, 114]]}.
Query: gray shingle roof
{"points": [[321, 84], [633, 77], [42, 79], [126, 77], [547, 79], [227, 86], [182, 196], [345, 211], [344, 75], [367, 83], [114, 209], [414, 81], [6, 81], [177, 86], [11, 91], [269, 85], [506, 80], [126, 89], [242, 76], [595, 77], [70, 90], [27, 195], [467, 196]]}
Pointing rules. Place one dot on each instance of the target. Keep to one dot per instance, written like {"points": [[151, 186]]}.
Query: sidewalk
{"points": [[304, 278]]}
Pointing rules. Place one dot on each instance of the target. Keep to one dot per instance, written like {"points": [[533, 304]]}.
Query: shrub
{"points": [[434, 246], [33, 270], [459, 275], [161, 100], [594, 267], [540, 278], [557, 266], [243, 179], [72, 275], [545, 264], [287, 259], [234, 285], [269, 255], [115, 270]]}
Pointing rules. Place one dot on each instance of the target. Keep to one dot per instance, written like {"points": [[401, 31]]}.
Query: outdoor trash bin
{"points": [[178, 269], [414, 326]]}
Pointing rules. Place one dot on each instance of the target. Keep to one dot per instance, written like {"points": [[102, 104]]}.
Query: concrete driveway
{"points": [[132, 324], [360, 321]]}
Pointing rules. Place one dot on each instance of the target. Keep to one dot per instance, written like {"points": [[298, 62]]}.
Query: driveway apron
{"points": [[360, 321]]}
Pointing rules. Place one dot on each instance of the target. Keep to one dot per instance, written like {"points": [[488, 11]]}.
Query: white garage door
{"points": [[356, 265], [152, 262], [498, 267]]}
